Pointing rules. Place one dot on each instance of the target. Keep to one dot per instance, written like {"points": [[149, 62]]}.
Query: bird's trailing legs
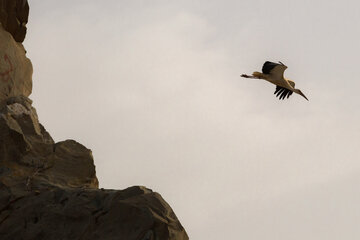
{"points": [[248, 76], [255, 75]]}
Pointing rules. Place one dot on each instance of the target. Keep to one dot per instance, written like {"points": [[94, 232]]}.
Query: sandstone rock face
{"points": [[14, 16], [49, 190], [15, 68], [28, 153]]}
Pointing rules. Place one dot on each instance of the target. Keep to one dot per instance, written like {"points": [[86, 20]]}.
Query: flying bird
{"points": [[274, 73]]}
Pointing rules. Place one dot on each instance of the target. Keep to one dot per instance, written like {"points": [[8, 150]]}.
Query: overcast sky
{"points": [[154, 89]]}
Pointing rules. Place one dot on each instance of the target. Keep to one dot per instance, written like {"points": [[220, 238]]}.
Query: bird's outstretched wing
{"points": [[275, 69], [292, 83], [282, 92]]}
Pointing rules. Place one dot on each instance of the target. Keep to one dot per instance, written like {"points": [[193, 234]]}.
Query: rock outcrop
{"points": [[50, 190], [15, 68], [14, 17]]}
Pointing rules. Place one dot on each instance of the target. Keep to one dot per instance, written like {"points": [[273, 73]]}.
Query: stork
{"points": [[274, 73]]}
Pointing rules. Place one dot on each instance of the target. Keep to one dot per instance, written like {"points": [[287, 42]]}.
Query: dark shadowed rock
{"points": [[58, 213], [50, 190], [28, 154], [14, 17]]}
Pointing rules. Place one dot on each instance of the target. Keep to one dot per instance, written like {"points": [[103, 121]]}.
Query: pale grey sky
{"points": [[153, 88]]}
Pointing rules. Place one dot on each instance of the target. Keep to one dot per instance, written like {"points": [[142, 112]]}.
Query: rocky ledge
{"points": [[14, 17], [50, 190]]}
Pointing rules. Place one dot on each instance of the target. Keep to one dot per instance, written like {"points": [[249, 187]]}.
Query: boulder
{"points": [[15, 68], [32, 157], [135, 213], [50, 190], [14, 17]]}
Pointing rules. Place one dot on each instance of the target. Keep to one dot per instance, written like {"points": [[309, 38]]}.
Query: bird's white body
{"points": [[274, 73]]}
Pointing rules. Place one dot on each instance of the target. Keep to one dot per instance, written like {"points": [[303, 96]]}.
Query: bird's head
{"points": [[300, 93]]}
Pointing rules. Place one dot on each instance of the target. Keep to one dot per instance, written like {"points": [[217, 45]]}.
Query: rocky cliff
{"points": [[50, 190]]}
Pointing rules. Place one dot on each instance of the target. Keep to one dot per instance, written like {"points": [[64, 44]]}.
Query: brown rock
{"points": [[72, 165], [135, 213], [15, 68], [14, 17], [50, 191], [30, 152]]}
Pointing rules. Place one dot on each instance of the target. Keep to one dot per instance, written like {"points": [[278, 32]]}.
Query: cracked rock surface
{"points": [[49, 190]]}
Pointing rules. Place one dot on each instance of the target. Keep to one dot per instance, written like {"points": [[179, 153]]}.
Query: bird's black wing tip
{"points": [[282, 92], [268, 66]]}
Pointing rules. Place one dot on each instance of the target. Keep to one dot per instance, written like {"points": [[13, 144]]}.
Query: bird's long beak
{"points": [[303, 95]]}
